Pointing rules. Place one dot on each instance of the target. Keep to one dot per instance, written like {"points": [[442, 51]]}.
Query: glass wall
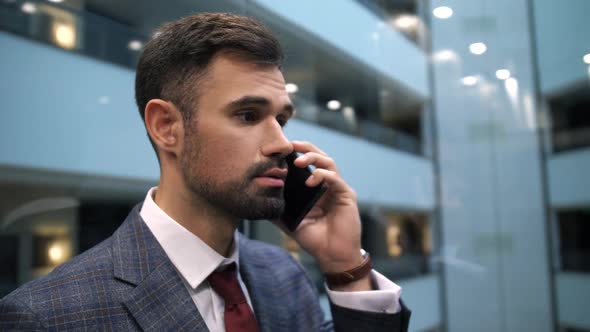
{"points": [[460, 124]]}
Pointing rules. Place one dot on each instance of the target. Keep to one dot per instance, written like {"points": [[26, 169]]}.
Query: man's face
{"points": [[234, 149]]}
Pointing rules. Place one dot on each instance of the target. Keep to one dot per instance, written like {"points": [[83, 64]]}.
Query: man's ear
{"points": [[163, 122]]}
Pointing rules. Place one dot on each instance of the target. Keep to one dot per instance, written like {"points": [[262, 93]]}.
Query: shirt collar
{"points": [[192, 257]]}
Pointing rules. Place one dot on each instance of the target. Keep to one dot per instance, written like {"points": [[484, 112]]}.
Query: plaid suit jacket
{"points": [[127, 283]]}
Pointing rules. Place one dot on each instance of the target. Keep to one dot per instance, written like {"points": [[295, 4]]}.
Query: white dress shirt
{"points": [[195, 260]]}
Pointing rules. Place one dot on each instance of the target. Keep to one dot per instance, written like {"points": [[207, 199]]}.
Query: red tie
{"points": [[238, 316]]}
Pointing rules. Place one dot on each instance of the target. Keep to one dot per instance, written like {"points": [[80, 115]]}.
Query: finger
{"points": [[302, 146], [332, 179], [316, 159]]}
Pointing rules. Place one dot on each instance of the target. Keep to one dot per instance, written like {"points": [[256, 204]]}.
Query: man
{"points": [[211, 94]]}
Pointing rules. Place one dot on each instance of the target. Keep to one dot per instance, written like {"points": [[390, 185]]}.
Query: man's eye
{"points": [[282, 121], [248, 116]]}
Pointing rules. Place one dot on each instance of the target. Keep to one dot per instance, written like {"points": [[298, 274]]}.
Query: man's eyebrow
{"points": [[260, 101]]}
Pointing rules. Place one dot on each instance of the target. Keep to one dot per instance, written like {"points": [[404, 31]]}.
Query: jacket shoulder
{"points": [[79, 290]]}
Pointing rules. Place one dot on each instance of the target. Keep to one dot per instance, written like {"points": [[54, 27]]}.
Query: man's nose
{"points": [[277, 144]]}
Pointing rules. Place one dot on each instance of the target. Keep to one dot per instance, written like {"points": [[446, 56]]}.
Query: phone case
{"points": [[299, 198]]}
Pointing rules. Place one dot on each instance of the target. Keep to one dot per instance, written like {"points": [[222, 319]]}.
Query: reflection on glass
{"points": [[502, 74], [469, 80], [511, 86]]}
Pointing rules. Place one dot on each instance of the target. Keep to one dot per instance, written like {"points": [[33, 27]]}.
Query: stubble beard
{"points": [[240, 198]]}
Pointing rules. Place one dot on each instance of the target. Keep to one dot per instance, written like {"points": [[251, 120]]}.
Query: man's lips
{"points": [[279, 173], [273, 177]]}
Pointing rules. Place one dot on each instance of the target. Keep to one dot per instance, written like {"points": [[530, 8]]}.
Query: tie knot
{"points": [[226, 284]]}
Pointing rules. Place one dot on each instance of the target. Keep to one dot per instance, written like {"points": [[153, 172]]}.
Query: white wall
{"points": [[53, 117]]}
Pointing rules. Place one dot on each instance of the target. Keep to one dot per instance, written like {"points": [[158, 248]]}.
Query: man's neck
{"points": [[214, 227]]}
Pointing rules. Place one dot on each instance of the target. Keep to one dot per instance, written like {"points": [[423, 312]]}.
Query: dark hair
{"points": [[177, 56]]}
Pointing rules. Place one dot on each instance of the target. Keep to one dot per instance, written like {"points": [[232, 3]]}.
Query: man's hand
{"points": [[331, 231]]}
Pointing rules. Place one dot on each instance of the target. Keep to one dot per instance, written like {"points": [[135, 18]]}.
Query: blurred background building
{"points": [[460, 123]]}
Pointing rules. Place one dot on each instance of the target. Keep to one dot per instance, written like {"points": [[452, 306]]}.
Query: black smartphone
{"points": [[299, 198]]}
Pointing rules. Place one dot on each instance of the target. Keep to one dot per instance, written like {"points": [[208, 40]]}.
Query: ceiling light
{"points": [[587, 58], [503, 74], [291, 88], [469, 80], [56, 1], [406, 22], [55, 253], [135, 45], [444, 55], [28, 8], [478, 48], [443, 12], [64, 35], [333, 105]]}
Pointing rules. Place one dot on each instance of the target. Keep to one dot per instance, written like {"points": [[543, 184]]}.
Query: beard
{"points": [[237, 197]]}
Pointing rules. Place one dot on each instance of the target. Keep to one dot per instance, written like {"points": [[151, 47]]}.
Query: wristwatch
{"points": [[357, 273]]}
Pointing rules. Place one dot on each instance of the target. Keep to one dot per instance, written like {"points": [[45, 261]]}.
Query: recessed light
{"points": [[135, 45], [291, 88], [587, 58], [406, 22], [28, 8], [478, 48], [443, 12], [64, 35], [333, 105], [444, 55], [469, 80]]}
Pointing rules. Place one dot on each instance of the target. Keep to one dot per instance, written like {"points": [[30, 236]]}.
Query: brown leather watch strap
{"points": [[346, 277]]}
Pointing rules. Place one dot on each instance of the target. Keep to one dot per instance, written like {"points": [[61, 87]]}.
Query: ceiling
{"points": [[320, 70]]}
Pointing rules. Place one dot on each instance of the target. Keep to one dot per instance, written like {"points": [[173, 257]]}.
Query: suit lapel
{"points": [[269, 308], [160, 301]]}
